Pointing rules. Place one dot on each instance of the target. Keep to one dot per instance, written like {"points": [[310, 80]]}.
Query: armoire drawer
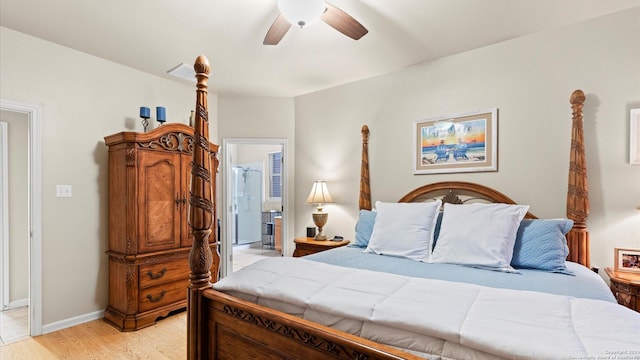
{"points": [[161, 295], [162, 273]]}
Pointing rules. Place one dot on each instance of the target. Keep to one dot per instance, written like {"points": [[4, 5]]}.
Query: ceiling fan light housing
{"points": [[301, 12]]}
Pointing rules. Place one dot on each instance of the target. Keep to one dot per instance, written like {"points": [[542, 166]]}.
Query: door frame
{"points": [[34, 114], [226, 241], [4, 215]]}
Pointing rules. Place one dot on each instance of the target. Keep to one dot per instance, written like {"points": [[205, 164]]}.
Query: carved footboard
{"points": [[244, 330]]}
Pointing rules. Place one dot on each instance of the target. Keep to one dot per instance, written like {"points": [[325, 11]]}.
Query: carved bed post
{"points": [[200, 216], [578, 193], [365, 190]]}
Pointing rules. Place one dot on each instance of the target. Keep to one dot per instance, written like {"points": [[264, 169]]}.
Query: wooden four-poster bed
{"points": [[221, 325]]}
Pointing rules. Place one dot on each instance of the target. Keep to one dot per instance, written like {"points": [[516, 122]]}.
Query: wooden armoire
{"points": [[149, 234]]}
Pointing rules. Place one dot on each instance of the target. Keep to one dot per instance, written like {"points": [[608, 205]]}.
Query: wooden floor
{"points": [[14, 324], [96, 339], [99, 340]]}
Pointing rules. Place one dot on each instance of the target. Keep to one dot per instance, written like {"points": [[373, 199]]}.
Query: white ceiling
{"points": [[155, 35]]}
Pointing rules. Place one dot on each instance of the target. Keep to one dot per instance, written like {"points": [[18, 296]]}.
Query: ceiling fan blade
{"points": [[277, 31], [343, 22]]}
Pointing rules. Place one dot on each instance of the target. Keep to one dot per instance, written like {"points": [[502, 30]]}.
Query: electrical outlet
{"points": [[63, 191]]}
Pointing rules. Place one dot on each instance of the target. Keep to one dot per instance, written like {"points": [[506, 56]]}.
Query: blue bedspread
{"points": [[585, 283]]}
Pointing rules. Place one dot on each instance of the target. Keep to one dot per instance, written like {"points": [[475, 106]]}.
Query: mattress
{"points": [[438, 319]]}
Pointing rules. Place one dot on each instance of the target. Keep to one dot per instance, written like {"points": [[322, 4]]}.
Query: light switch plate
{"points": [[63, 191]]}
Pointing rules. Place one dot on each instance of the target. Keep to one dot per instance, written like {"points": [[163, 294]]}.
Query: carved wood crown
{"points": [[451, 197], [174, 141]]}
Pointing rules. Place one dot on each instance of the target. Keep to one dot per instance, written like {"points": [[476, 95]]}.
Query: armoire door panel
{"points": [[158, 207]]}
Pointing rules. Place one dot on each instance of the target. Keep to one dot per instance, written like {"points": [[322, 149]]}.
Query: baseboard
{"points": [[17, 304], [76, 320]]}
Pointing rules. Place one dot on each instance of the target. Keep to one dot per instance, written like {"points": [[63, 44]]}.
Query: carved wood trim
{"points": [[452, 198], [131, 281], [174, 141], [150, 258], [296, 334], [131, 234], [130, 155]]}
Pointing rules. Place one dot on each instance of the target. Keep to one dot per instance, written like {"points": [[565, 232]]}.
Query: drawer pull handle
{"points": [[158, 275], [158, 298]]}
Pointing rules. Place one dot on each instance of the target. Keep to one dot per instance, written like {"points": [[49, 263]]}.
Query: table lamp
{"points": [[320, 195]]}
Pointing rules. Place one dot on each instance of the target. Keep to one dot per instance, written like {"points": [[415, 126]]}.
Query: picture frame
{"points": [[634, 137], [456, 143], [627, 260]]}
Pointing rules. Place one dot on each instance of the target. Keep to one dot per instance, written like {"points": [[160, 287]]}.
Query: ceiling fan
{"points": [[305, 12]]}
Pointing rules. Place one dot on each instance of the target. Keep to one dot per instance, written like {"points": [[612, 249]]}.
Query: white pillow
{"points": [[479, 235], [404, 229]]}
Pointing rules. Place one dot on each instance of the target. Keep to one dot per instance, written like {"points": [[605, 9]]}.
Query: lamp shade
{"points": [[319, 193], [301, 12]]}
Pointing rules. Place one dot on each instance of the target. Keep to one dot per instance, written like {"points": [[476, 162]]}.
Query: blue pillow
{"points": [[364, 228], [540, 244]]}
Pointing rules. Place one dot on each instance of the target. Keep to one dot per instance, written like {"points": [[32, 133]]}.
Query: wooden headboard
{"points": [[459, 191]]}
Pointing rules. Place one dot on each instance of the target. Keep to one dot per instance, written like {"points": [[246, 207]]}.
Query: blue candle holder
{"points": [[145, 114], [161, 114]]}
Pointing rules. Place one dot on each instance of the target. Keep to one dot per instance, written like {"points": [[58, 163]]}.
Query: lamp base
{"points": [[320, 219]]}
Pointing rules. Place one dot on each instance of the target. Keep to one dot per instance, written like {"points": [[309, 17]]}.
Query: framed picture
{"points": [[457, 143], [634, 139], [627, 260]]}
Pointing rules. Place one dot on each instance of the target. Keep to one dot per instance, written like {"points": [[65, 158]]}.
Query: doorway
{"points": [[254, 193], [18, 291]]}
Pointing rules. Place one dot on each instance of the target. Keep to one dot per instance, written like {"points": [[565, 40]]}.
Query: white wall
{"points": [[529, 80], [83, 98]]}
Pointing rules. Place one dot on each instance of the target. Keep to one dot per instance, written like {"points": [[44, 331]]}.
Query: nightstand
{"points": [[308, 246], [625, 287]]}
